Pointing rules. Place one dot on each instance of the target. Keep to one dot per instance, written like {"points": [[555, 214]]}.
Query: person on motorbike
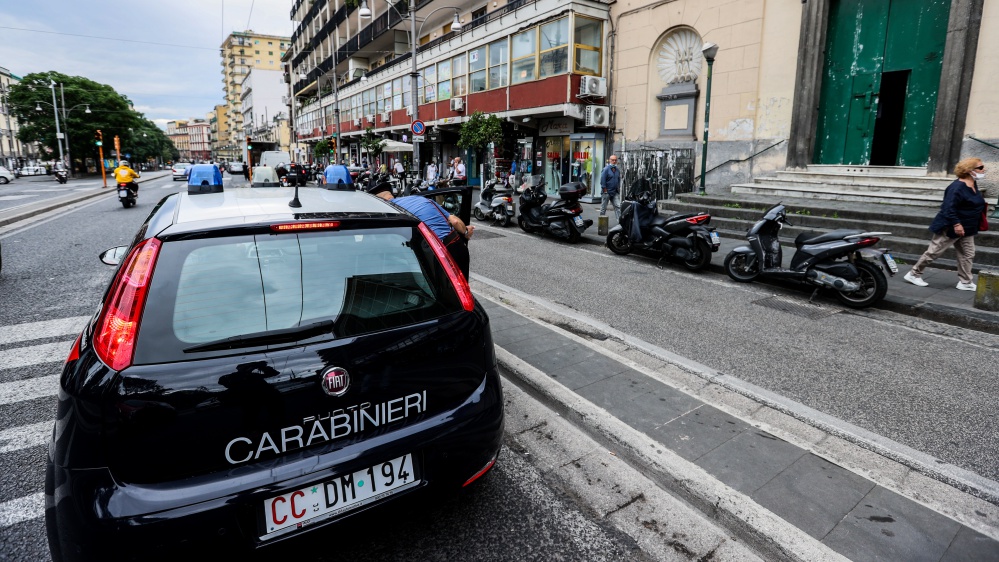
{"points": [[124, 174]]}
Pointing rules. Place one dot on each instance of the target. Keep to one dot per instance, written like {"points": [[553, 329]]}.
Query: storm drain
{"points": [[804, 309]]}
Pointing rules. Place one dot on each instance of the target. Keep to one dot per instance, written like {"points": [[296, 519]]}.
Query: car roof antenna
{"points": [[295, 203]]}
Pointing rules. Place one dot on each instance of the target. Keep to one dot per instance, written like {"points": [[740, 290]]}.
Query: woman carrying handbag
{"points": [[961, 217]]}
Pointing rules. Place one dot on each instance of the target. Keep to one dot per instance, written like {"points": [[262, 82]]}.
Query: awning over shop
{"points": [[396, 146]]}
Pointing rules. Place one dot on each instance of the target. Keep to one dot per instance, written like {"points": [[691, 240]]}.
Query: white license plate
{"points": [[578, 220], [122, 193], [890, 261], [509, 208], [338, 495], [714, 238]]}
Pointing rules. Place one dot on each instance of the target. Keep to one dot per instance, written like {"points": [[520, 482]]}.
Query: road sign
{"points": [[417, 138], [418, 127]]}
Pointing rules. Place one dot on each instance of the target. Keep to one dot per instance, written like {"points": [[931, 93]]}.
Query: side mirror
{"points": [[113, 256]]}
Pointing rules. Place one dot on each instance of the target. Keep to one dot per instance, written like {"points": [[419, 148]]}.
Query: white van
{"points": [[272, 158]]}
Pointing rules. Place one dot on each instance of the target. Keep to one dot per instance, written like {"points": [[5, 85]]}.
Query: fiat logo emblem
{"points": [[335, 381]]}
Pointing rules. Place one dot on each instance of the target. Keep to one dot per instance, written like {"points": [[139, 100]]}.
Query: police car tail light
{"points": [[301, 226], [457, 278], [114, 339]]}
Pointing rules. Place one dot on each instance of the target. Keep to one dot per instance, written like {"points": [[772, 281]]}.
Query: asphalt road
{"points": [[924, 385], [51, 283]]}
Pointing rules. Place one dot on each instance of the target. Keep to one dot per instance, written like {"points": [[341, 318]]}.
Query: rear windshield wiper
{"points": [[261, 338]]}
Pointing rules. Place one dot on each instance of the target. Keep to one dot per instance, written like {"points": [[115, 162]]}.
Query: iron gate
{"points": [[669, 171]]}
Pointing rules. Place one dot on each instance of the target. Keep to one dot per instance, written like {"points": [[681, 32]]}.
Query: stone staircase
{"points": [[733, 214], [894, 185]]}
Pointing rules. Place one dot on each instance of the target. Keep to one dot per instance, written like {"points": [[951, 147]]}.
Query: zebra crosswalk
{"points": [[19, 349]]}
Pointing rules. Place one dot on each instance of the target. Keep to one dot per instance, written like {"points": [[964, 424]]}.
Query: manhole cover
{"points": [[799, 308], [481, 234]]}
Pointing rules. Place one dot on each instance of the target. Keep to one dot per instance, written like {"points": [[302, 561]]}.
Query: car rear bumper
{"points": [[90, 516]]}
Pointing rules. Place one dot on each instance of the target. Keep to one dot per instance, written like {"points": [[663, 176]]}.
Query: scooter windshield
{"points": [[775, 212]]}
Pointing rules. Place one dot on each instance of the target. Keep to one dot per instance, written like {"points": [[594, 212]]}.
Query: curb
{"points": [[57, 202], [767, 533]]}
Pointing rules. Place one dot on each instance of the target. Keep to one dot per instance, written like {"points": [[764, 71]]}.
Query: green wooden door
{"points": [[865, 39]]}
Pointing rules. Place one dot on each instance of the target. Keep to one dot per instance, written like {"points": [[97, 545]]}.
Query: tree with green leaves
{"points": [[479, 131], [372, 143], [111, 112], [321, 150]]}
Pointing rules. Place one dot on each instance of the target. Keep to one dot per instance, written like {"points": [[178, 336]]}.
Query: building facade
{"points": [[177, 133], [241, 52], [265, 117], [199, 139], [13, 154], [540, 66], [854, 83]]}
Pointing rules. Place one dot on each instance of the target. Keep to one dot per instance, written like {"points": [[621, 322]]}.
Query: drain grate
{"points": [[804, 309], [482, 234]]}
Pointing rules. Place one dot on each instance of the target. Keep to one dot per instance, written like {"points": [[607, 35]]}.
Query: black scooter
{"points": [[842, 260], [562, 218], [128, 193], [682, 236]]}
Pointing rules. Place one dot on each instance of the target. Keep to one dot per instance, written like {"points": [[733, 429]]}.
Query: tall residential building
{"points": [[264, 111], [218, 118], [242, 51], [12, 152], [177, 133], [199, 139]]}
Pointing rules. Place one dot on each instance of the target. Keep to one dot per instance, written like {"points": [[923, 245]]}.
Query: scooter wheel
{"points": [[873, 287], [522, 222], [505, 221], [619, 243], [478, 214], [125, 204], [702, 259], [738, 268]]}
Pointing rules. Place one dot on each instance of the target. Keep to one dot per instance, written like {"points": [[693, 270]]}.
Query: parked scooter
{"points": [[842, 260], [62, 176], [562, 218], [495, 203], [128, 193], [685, 236]]}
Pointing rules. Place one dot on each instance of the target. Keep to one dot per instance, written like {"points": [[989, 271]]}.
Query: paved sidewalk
{"points": [[940, 301], [787, 502]]}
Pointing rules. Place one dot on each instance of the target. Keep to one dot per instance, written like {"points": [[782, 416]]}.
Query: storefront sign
{"points": [[558, 127], [449, 120]]}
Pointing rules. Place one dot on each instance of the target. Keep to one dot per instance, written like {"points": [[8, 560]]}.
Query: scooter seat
{"points": [[815, 238]]}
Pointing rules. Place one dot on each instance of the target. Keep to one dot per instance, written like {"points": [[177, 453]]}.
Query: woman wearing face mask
{"points": [[957, 223]]}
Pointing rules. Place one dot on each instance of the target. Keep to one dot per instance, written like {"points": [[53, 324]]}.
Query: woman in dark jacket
{"points": [[957, 223]]}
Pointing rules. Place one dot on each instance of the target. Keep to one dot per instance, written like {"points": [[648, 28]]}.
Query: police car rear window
{"points": [[206, 290]]}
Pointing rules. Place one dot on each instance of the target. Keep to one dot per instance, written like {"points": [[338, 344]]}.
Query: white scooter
{"points": [[495, 203]]}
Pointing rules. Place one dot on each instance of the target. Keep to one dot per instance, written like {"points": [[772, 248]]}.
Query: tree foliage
{"points": [[480, 130], [110, 112], [321, 150], [372, 143]]}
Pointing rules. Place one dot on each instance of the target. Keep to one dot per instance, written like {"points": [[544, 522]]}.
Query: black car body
{"points": [[254, 365]]}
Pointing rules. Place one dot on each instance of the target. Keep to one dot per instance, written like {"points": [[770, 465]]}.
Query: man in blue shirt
{"points": [[610, 182], [450, 229]]}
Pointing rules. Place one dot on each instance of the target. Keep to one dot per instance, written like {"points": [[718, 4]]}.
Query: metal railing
{"points": [[667, 171]]}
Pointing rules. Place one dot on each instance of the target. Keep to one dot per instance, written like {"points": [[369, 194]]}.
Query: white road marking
{"points": [[22, 437], [23, 509], [43, 329], [34, 355], [54, 189], [15, 197], [28, 389]]}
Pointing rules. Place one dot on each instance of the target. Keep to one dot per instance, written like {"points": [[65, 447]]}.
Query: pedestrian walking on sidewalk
{"points": [[957, 223], [610, 183]]}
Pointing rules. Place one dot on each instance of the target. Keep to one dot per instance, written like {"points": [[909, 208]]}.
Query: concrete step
{"points": [[863, 179], [859, 186], [869, 170], [840, 193]]}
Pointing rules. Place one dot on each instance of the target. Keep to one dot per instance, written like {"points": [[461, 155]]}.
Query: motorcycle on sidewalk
{"points": [[686, 236], [495, 203], [128, 193], [562, 219], [841, 260]]}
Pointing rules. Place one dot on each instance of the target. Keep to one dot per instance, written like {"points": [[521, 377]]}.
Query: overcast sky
{"points": [[178, 78]]}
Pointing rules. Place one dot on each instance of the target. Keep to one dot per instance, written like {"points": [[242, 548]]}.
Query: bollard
{"points": [[987, 293], [602, 225]]}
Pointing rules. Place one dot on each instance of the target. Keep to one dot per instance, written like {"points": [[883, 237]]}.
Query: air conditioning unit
{"points": [[409, 111], [457, 104], [357, 122], [597, 116], [385, 117], [593, 87], [371, 119]]}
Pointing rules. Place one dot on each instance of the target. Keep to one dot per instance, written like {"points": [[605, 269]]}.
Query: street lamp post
{"points": [[364, 12], [709, 51], [65, 113]]}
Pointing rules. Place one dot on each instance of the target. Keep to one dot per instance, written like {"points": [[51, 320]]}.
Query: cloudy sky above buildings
{"points": [[163, 55]]}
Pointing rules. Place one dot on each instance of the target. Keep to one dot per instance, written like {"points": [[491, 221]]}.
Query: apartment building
{"points": [[240, 52], [539, 65], [265, 115], [177, 133], [218, 118], [13, 154], [199, 138]]}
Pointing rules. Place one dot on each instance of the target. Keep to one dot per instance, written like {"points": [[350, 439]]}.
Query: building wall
{"points": [[11, 149], [268, 49]]}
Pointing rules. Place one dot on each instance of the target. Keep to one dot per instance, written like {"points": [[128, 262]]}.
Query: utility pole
{"points": [[62, 95], [415, 78], [55, 111]]}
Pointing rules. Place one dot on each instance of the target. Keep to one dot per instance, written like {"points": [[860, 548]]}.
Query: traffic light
{"points": [[249, 144], [99, 138], [332, 145]]}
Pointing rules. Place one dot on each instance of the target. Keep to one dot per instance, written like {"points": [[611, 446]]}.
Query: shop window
{"points": [[524, 52], [459, 83], [554, 48], [444, 80], [588, 43], [498, 56], [477, 70]]}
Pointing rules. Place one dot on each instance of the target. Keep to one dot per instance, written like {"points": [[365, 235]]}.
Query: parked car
{"points": [[235, 168], [6, 176], [180, 171], [31, 171]]}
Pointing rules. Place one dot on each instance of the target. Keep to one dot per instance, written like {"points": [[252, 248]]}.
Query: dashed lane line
{"points": [[34, 355], [42, 329], [25, 436], [28, 389], [22, 509]]}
